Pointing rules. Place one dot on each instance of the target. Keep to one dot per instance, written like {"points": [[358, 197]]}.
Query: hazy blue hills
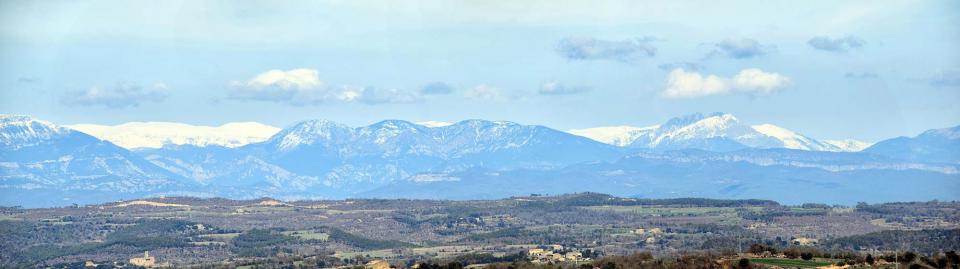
{"points": [[938, 145], [42, 164], [736, 175]]}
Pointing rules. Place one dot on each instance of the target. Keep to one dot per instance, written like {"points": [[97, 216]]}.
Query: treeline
{"points": [[922, 241], [349, 239], [259, 243], [598, 199], [144, 235], [643, 260]]}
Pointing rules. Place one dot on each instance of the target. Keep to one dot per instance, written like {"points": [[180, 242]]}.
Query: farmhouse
{"points": [[804, 241], [146, 261], [554, 253]]}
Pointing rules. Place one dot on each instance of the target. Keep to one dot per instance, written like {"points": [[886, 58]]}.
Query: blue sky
{"points": [[855, 69]]}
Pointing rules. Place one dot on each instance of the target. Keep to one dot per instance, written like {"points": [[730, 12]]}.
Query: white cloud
{"points": [[683, 84], [755, 80], [484, 91], [296, 86], [304, 87], [118, 96]]}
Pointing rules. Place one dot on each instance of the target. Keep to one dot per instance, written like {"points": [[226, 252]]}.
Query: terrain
{"points": [[43, 164], [191, 231]]}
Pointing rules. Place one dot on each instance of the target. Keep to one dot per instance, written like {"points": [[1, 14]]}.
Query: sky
{"points": [[867, 70]]}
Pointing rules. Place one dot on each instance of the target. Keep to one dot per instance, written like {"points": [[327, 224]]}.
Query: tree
{"points": [[806, 256], [743, 263], [791, 253], [870, 260], [609, 265], [909, 257]]}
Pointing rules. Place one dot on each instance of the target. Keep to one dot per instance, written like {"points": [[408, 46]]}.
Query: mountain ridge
{"points": [[713, 131], [42, 163]]}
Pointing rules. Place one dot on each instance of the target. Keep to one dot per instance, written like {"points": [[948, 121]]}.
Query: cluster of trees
{"points": [[349, 239], [922, 241], [642, 260], [939, 260], [596, 199]]}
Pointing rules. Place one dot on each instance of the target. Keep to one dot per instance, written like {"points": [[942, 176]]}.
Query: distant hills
{"points": [[938, 145], [712, 155]]}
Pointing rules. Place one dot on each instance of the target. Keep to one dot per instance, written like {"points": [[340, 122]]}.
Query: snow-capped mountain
{"points": [[41, 157], [397, 137], [17, 132], [134, 135], [322, 156], [43, 164], [938, 145], [620, 136], [848, 145], [399, 149], [716, 132]]}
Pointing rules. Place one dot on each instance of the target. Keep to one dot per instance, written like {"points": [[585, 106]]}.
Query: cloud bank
{"points": [[557, 88], [484, 92], [304, 87], [842, 44], [946, 78], [436, 88], [596, 49], [684, 65], [741, 48], [120, 95], [683, 84]]}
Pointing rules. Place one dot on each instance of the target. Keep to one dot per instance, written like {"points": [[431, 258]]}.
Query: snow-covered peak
{"points": [[157, 134], [793, 140], [713, 125], [19, 131], [714, 131], [434, 124], [686, 120], [614, 135], [307, 133], [848, 145]]}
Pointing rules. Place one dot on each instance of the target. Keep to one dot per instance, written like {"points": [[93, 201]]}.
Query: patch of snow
{"points": [[613, 135], [157, 134], [791, 139], [434, 124], [849, 145]]}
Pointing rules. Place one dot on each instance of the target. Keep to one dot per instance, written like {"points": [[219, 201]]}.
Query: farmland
{"points": [[350, 232]]}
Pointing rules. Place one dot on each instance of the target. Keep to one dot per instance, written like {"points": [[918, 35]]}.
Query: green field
{"points": [[790, 262]]}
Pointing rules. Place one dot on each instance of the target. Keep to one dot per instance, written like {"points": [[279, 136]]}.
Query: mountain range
{"points": [[698, 155], [716, 132]]}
